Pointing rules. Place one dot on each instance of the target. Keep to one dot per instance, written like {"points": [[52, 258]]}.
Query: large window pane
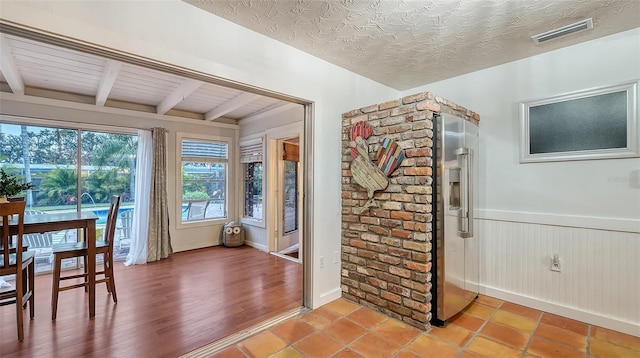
{"points": [[108, 168], [48, 157], [203, 190], [204, 179]]}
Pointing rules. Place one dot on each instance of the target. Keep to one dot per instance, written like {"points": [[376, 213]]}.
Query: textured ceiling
{"points": [[405, 44]]}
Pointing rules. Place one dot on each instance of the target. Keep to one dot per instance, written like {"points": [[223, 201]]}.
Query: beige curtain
{"points": [[159, 242]]}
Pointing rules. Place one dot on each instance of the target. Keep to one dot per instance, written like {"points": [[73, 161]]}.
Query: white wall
{"points": [[594, 194], [177, 33], [550, 188]]}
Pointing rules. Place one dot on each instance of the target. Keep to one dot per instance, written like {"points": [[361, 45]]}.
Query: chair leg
{"points": [[19, 305], [25, 283], [57, 262], [105, 264], [111, 282], [86, 273], [32, 281]]}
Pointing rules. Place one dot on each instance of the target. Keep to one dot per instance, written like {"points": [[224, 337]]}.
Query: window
{"points": [[204, 179], [253, 190], [591, 124], [72, 169], [251, 158]]}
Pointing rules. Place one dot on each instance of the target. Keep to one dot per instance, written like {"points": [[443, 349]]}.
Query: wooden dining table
{"points": [[41, 223]]}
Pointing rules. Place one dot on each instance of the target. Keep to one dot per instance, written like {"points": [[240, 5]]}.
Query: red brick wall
{"points": [[386, 249]]}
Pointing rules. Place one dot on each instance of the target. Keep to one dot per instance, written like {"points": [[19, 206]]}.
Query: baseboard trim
{"points": [[588, 317], [217, 346], [327, 297], [282, 256], [257, 246]]}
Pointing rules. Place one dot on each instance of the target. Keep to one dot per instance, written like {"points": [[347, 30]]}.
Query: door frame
{"points": [[307, 135], [274, 138]]}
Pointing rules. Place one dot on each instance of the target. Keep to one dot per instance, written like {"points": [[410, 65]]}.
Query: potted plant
{"points": [[11, 185]]}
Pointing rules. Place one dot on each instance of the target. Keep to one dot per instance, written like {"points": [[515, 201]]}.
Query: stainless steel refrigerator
{"points": [[455, 167]]}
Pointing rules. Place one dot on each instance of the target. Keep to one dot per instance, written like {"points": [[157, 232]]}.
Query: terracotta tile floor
{"points": [[487, 328]]}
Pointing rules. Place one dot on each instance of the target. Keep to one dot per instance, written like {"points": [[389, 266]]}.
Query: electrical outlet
{"points": [[555, 263], [321, 261]]}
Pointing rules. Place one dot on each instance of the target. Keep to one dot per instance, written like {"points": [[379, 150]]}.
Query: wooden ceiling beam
{"points": [[9, 68], [109, 75], [231, 105], [178, 95]]}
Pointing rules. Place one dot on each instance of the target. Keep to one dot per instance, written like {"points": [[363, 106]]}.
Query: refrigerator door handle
{"points": [[465, 214]]}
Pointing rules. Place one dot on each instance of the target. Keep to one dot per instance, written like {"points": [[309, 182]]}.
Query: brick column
{"points": [[386, 249]]}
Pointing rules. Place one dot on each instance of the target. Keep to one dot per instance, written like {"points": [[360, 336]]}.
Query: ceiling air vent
{"points": [[562, 31]]}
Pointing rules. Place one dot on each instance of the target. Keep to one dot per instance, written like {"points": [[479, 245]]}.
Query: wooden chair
{"points": [[14, 260], [79, 249]]}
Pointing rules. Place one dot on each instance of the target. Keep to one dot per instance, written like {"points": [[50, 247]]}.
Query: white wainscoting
{"points": [[599, 282]]}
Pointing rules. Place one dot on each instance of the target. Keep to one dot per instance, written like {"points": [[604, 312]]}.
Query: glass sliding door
{"points": [[72, 170], [109, 168], [46, 157]]}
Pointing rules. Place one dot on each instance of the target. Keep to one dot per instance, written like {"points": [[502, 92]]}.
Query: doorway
{"points": [[303, 132], [287, 210], [288, 239]]}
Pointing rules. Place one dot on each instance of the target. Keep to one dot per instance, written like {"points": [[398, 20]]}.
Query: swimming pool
{"points": [[103, 213]]}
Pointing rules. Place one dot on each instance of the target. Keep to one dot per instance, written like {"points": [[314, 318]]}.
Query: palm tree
{"points": [[59, 186], [119, 150], [101, 184]]}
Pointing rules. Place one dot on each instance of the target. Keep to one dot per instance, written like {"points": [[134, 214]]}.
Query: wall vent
{"points": [[562, 31]]}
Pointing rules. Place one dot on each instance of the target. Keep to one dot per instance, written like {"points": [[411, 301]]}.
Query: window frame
{"points": [[632, 149], [180, 136]]}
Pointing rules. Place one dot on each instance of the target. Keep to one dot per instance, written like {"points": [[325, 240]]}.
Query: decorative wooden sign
{"points": [[361, 129], [368, 175], [365, 173], [389, 155]]}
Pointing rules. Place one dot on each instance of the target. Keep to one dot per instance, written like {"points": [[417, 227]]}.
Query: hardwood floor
{"points": [[164, 309]]}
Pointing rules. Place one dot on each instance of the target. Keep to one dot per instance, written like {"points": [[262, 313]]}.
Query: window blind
{"points": [[251, 151], [194, 150]]}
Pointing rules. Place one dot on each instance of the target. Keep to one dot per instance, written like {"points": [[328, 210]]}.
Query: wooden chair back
{"points": [[110, 228], [11, 252], [15, 261]]}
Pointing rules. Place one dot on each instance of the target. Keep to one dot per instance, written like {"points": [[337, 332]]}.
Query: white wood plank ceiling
{"points": [[29, 64]]}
